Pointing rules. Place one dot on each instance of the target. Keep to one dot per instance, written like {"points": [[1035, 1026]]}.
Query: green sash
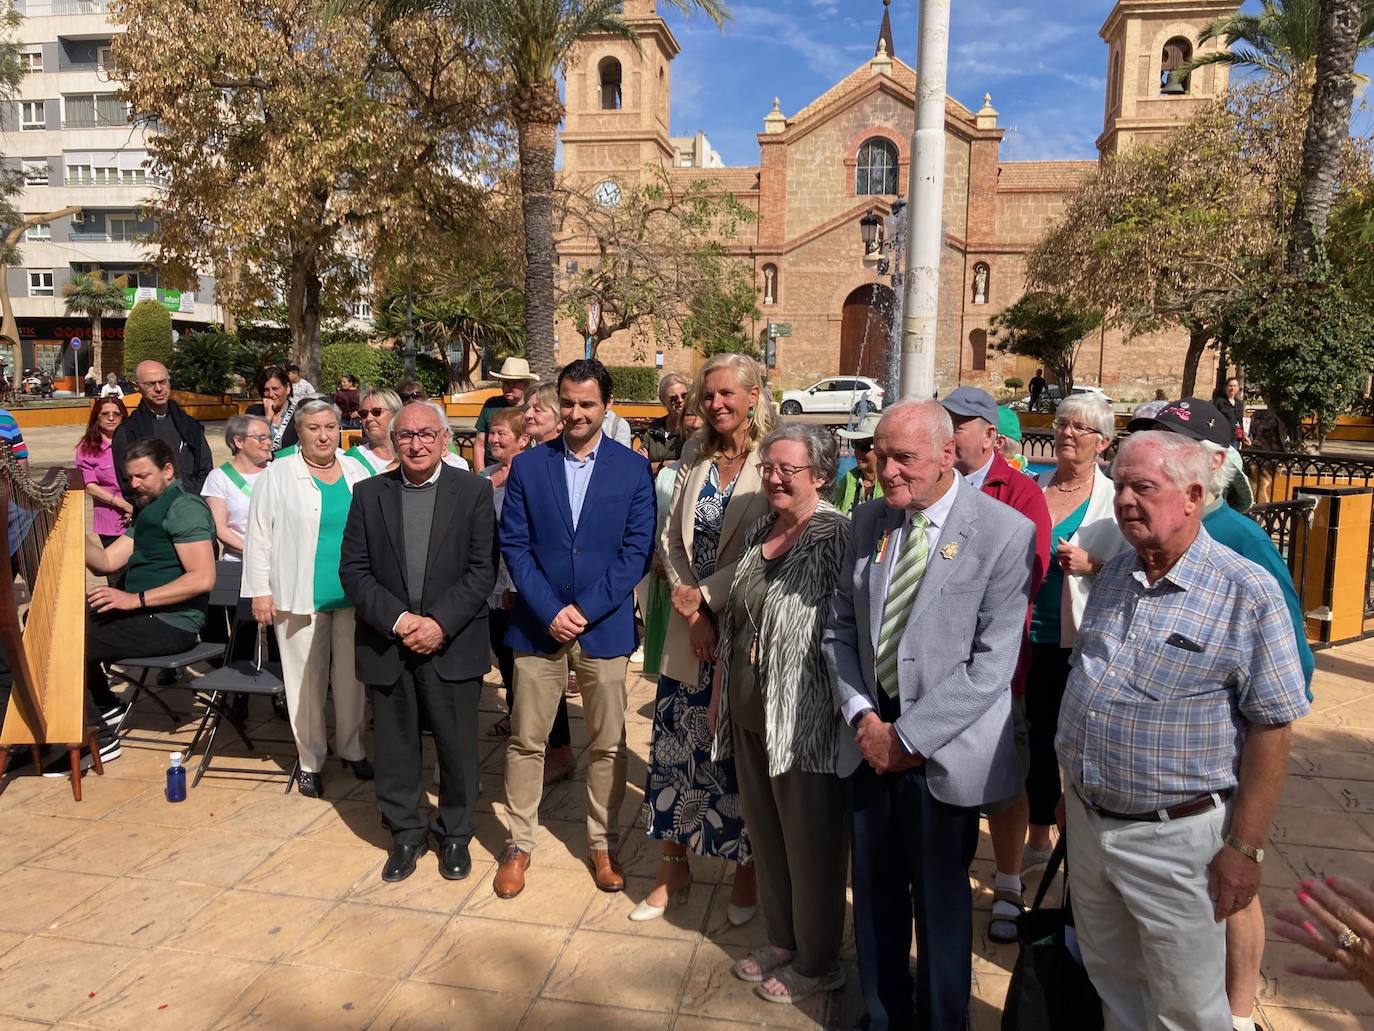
{"points": [[236, 478]]}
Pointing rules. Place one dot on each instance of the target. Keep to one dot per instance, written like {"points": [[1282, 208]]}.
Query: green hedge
{"points": [[147, 335], [634, 382], [371, 366], [433, 373]]}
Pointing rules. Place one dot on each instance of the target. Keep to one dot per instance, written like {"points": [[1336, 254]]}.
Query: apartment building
{"points": [[72, 136]]}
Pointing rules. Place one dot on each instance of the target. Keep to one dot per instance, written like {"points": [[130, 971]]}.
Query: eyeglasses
{"points": [[784, 473], [376, 413], [677, 399], [261, 438], [148, 384], [409, 396], [1073, 429], [425, 436]]}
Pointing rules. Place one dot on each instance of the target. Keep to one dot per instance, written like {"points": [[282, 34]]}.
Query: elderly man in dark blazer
{"points": [[419, 562], [926, 631]]}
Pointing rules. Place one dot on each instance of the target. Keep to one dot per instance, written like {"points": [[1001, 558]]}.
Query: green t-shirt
{"points": [[1049, 600], [171, 519], [335, 499], [489, 407]]}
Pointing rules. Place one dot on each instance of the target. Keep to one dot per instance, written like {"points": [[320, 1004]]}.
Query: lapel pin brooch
{"points": [[950, 550]]}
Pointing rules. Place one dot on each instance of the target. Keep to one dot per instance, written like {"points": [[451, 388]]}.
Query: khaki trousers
{"points": [[317, 654], [539, 684]]}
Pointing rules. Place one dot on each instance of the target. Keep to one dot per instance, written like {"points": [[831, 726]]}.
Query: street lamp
{"points": [[868, 229], [884, 243]]}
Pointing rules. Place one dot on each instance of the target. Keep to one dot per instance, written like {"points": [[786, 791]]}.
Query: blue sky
{"points": [[1041, 60]]}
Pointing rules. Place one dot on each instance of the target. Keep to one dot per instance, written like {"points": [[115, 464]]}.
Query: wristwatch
{"points": [[1248, 851], [142, 601]]}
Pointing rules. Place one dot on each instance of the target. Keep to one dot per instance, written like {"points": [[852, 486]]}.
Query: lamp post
{"points": [[883, 237]]}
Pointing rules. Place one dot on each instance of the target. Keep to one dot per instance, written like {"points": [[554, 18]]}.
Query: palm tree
{"points": [[534, 39], [90, 295], [1281, 41]]}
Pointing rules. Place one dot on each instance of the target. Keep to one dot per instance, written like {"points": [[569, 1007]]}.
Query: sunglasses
{"points": [[376, 413], [408, 397]]}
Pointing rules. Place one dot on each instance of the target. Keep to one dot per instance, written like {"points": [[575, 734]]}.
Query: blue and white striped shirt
{"points": [[1166, 678]]}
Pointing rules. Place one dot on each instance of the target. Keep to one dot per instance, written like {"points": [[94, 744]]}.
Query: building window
{"points": [[36, 173], [978, 341], [362, 311], [92, 175], [42, 231], [104, 60], [1114, 90], [876, 175], [770, 284], [132, 176], [31, 115], [31, 61], [124, 228], [1173, 82], [94, 110], [608, 71], [40, 284]]}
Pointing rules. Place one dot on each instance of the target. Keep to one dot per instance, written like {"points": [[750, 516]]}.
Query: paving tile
{"points": [[552, 1015], [271, 813], [1299, 992], [300, 999], [1296, 826], [369, 939], [1335, 764], [415, 1006], [208, 856], [552, 897], [46, 978], [9, 939], [205, 806], [610, 911], [354, 822], [493, 955], [29, 835], [424, 889], [644, 978], [169, 987], [250, 925], [134, 912], [1352, 796], [1309, 793], [319, 869], [34, 898], [1283, 1018], [1313, 861], [109, 846], [712, 991], [100, 796]]}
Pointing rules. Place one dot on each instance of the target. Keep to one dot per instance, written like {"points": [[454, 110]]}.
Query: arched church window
{"points": [[978, 342], [609, 73], [1114, 90], [770, 284], [876, 174], [1173, 81]]}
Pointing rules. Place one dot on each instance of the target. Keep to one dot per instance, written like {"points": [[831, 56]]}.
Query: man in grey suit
{"points": [[927, 626]]}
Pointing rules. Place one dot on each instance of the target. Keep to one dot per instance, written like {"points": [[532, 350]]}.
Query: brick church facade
{"points": [[848, 152]]}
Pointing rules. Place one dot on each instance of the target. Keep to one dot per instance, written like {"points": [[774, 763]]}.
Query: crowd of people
{"points": [[852, 670]]}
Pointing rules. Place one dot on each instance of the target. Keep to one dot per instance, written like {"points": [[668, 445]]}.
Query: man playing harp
{"points": [[171, 569]]}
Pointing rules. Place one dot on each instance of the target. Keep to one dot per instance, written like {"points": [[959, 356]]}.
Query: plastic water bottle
{"points": [[176, 780]]}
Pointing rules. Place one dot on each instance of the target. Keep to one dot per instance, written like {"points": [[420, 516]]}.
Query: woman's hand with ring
{"points": [[1336, 921]]}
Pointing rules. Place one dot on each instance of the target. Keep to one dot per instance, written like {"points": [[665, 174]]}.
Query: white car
{"points": [[842, 394]]}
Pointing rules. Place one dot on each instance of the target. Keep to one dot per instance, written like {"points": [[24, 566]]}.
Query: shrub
{"points": [[372, 366], [147, 335], [433, 373], [634, 383], [252, 351], [1013, 383], [203, 362]]}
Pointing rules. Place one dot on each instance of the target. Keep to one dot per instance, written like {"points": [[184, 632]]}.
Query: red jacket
{"points": [[1022, 493]]}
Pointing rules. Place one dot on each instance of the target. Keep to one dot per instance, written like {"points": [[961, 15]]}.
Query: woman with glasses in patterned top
{"points": [[1084, 535]]}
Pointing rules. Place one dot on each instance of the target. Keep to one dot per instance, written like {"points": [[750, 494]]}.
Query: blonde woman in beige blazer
{"points": [[690, 801]]}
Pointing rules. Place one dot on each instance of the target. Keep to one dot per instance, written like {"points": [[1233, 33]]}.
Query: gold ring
{"points": [[1348, 939]]}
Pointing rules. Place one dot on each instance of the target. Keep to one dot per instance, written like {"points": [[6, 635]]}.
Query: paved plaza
{"points": [[246, 907]]}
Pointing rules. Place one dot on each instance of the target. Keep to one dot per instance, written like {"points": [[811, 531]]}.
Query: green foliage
{"points": [[1307, 343], [1350, 241], [252, 351], [1013, 383], [203, 362], [433, 373], [472, 313], [373, 366], [147, 335], [1048, 328], [723, 300], [11, 75], [634, 382]]}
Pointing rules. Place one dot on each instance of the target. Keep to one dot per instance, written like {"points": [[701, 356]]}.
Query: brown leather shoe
{"points": [[605, 870], [510, 875]]}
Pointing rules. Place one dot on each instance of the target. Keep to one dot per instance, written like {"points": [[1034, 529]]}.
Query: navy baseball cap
{"points": [[1192, 417], [971, 402]]}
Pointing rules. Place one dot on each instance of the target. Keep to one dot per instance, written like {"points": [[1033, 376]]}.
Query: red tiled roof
{"points": [[1043, 175]]}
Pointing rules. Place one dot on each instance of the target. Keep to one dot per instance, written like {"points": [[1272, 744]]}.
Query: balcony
{"points": [[39, 8], [96, 120]]}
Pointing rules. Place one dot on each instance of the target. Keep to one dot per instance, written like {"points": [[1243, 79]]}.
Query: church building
{"points": [[822, 168]]}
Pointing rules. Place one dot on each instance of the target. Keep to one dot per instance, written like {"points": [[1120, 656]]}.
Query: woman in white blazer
{"points": [[1079, 496], [291, 571]]}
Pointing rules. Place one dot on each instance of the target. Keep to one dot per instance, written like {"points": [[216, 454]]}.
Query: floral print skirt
{"points": [[690, 799]]}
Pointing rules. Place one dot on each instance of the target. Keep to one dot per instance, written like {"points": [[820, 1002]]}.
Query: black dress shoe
{"points": [[454, 861], [362, 769], [311, 785], [400, 862]]}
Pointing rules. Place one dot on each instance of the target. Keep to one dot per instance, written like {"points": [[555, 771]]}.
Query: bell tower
{"points": [[617, 100], [1148, 42]]}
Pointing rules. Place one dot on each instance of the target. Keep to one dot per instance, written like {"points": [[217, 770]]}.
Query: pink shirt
{"points": [[99, 469]]}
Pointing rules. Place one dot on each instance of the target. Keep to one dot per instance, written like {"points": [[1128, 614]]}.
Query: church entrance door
{"points": [[864, 330]]}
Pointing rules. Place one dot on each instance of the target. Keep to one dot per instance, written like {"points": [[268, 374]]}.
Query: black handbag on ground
{"points": [[1050, 990]]}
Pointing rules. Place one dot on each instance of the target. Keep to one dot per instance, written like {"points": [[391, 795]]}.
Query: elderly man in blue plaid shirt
{"points": [[1174, 734]]}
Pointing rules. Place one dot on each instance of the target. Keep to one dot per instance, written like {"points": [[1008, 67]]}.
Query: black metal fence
{"points": [[1288, 524]]}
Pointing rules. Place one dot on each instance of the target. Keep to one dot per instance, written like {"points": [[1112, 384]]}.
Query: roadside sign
{"points": [[779, 329], [76, 343]]}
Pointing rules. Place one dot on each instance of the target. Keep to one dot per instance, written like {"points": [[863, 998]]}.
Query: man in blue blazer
{"points": [[577, 530]]}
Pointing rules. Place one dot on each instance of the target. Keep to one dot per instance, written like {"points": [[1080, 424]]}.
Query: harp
{"points": [[42, 615]]}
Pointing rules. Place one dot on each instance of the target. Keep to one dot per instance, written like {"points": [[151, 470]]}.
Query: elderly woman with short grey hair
{"points": [[776, 718], [229, 488], [291, 571]]}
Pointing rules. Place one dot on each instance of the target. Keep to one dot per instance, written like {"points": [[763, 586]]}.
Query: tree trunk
{"points": [[1328, 124], [1199, 337], [303, 312], [537, 121], [97, 355]]}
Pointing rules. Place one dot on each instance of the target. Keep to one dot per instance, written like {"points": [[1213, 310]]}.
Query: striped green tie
{"points": [[901, 592]]}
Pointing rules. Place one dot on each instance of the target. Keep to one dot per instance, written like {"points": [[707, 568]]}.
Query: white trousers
{"points": [[317, 652], [1151, 945]]}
